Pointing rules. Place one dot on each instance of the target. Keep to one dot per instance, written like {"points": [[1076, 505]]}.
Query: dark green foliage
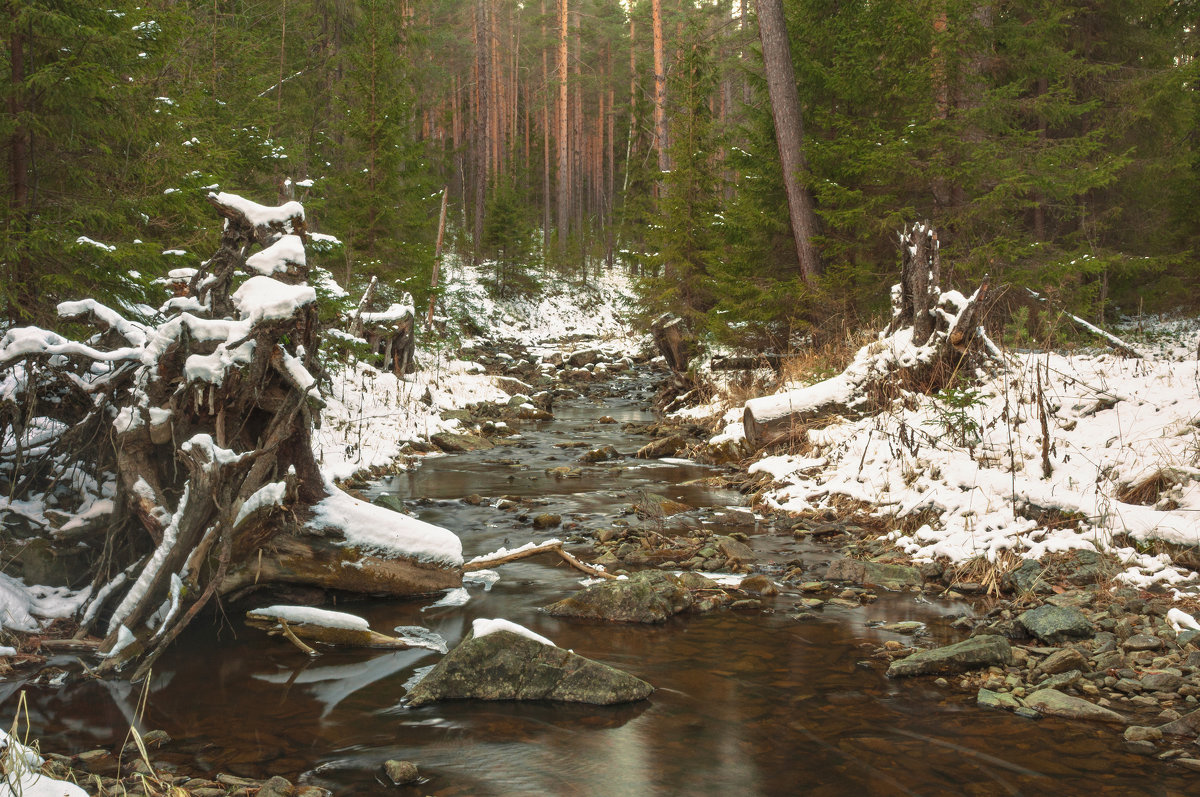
{"points": [[509, 243]]}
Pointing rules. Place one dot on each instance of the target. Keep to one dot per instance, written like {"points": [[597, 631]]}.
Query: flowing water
{"points": [[747, 702]]}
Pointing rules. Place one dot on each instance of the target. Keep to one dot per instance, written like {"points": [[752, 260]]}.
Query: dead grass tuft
{"points": [[1149, 490]]}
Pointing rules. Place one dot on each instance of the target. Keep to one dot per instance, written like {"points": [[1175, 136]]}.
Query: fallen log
{"points": [[932, 331], [299, 623], [503, 557]]}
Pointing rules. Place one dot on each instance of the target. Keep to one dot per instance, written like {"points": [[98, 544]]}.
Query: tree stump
{"points": [[930, 334]]}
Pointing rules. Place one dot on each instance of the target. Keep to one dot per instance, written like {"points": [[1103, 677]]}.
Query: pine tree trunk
{"points": [[789, 132], [660, 87], [564, 163]]}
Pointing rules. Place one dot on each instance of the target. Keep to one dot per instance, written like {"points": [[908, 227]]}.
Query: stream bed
{"points": [[750, 702]]}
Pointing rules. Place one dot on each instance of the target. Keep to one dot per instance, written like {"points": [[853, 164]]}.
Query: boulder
{"points": [[1187, 725], [1056, 704], [735, 550], [1057, 623], [276, 787], [1027, 578], [504, 665], [665, 447], [650, 596], [453, 443], [1063, 661], [602, 454], [547, 520], [584, 357], [970, 654], [989, 699], [858, 571]]}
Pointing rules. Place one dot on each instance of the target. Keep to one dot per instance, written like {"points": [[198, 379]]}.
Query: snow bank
{"points": [[1114, 424], [21, 779], [21, 605]]}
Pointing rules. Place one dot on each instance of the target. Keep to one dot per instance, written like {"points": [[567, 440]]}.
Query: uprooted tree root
{"points": [[182, 452]]}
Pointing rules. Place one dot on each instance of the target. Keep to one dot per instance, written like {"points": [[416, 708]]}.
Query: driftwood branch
{"points": [[553, 546]]}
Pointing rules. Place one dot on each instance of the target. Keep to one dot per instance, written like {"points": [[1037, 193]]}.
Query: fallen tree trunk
{"points": [[931, 333]]}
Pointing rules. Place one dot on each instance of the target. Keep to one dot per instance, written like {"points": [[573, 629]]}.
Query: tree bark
{"points": [[789, 132]]}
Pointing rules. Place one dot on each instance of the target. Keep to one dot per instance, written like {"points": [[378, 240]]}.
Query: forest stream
{"points": [[747, 701]]}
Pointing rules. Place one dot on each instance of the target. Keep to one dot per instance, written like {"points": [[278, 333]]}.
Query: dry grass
{"points": [[1148, 490], [811, 365]]}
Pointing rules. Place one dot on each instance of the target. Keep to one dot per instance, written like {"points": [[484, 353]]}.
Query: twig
{"points": [[295, 640]]}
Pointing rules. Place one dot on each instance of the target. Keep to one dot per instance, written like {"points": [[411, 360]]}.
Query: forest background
{"points": [[1052, 144]]}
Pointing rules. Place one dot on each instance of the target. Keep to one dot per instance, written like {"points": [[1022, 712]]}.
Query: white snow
{"points": [[382, 532], [307, 615], [262, 215], [482, 627], [270, 494], [21, 605], [276, 258], [502, 552], [265, 299], [1181, 620]]}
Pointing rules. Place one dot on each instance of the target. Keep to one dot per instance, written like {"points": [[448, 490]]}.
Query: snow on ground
{"points": [[596, 309], [370, 414], [1114, 424]]}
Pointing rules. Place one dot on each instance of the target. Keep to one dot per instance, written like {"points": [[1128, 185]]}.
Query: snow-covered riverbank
{"points": [[969, 473]]}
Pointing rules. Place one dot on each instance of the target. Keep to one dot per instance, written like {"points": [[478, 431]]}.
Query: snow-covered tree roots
{"points": [[177, 456]]}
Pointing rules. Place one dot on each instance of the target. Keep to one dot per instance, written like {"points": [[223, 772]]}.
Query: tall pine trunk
{"points": [[789, 132]]}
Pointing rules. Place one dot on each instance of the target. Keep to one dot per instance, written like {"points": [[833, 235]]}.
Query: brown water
{"points": [[747, 703]]}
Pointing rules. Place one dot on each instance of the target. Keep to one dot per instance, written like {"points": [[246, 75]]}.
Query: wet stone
{"points": [[277, 787], [970, 654], [508, 666], [857, 571], [650, 596], [401, 772], [1057, 704], [547, 520]]}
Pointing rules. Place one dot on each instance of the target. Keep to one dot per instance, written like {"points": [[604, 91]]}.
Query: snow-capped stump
{"points": [[500, 660], [197, 433], [319, 625], [931, 333]]}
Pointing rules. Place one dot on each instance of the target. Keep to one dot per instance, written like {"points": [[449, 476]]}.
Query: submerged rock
{"points": [[1051, 623], [504, 665], [1057, 704], [970, 654], [650, 596]]}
